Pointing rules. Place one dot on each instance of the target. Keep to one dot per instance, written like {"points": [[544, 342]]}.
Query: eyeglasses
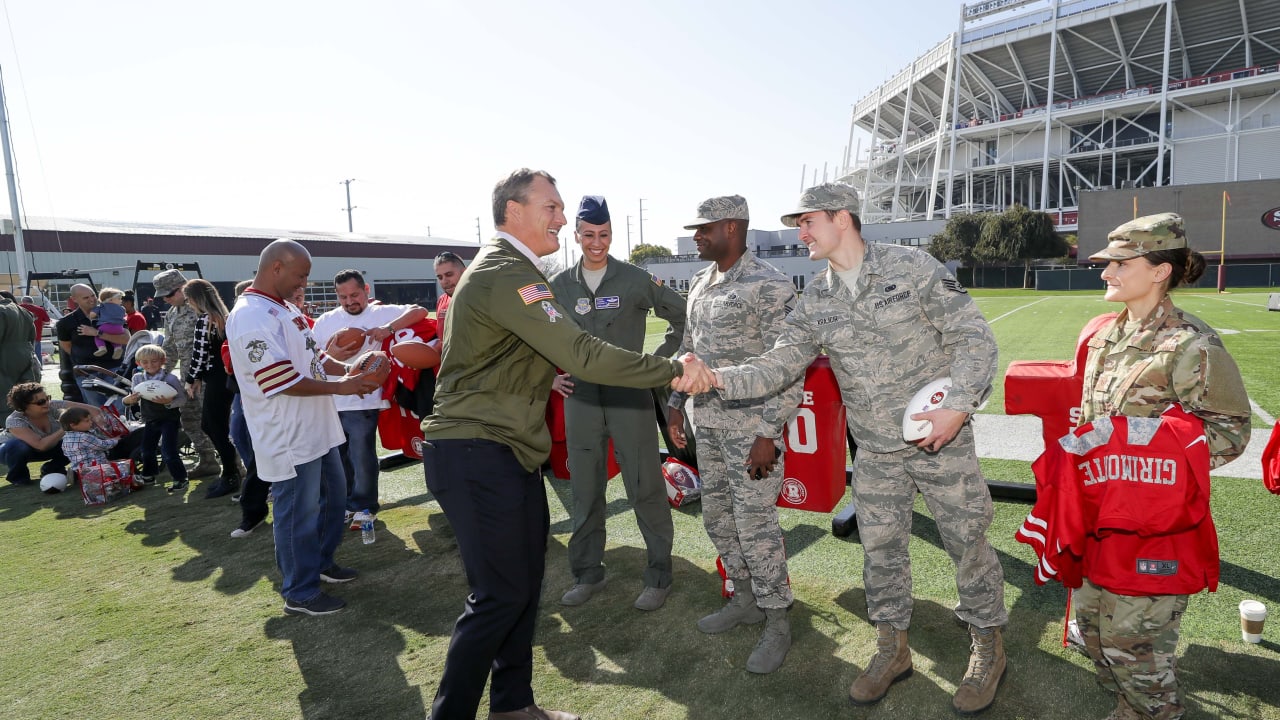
{"points": [[42, 401]]}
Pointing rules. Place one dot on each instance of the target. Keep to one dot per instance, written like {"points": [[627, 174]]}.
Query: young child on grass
{"points": [[163, 420], [79, 443]]}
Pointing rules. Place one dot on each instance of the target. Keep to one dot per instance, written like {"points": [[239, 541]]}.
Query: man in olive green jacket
{"points": [[488, 438], [611, 299]]}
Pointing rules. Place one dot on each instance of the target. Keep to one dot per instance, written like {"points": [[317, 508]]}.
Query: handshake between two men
{"points": [[697, 377]]}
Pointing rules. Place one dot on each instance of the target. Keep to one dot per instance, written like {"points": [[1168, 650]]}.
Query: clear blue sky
{"points": [[250, 113]]}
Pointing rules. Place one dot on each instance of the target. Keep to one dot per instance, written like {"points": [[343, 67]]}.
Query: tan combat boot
{"points": [[740, 610], [774, 643], [986, 666], [891, 663]]}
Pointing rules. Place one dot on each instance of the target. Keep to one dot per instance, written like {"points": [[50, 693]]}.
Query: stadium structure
{"points": [[1046, 102], [1089, 110]]}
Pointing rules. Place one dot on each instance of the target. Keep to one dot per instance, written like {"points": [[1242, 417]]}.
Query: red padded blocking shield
{"points": [[1051, 390], [559, 446], [813, 466]]}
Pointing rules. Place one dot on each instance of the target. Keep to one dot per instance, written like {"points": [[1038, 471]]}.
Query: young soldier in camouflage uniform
{"points": [[611, 299], [737, 307], [893, 319], [1151, 355], [179, 335]]}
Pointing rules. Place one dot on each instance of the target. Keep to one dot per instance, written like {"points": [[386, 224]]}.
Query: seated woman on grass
{"points": [[32, 433]]}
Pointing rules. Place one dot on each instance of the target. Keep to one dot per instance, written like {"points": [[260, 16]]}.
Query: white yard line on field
{"points": [[1021, 307], [1257, 410], [1237, 302]]}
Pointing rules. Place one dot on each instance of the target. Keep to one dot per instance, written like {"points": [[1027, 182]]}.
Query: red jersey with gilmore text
{"points": [[1128, 498]]}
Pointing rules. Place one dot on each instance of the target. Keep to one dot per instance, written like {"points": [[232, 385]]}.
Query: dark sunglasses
{"points": [[41, 401]]}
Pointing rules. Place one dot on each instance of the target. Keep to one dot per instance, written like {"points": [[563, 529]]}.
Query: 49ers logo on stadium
{"points": [[1271, 218]]}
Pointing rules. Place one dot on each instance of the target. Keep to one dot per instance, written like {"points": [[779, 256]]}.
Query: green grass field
{"points": [[147, 609]]}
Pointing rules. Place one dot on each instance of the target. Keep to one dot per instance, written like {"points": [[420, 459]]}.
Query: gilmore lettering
{"points": [[1134, 468]]}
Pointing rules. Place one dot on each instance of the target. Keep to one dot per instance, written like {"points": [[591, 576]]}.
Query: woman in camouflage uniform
{"points": [[1150, 356]]}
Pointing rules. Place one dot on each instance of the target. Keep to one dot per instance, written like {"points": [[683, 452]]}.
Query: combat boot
{"points": [[774, 643], [740, 610], [207, 466], [986, 667], [891, 663]]}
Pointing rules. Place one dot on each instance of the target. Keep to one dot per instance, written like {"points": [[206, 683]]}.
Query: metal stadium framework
{"points": [[1036, 101]]}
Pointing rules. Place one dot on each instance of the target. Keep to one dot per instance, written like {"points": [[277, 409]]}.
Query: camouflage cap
{"points": [[728, 207], [1140, 236], [827, 196], [168, 281]]}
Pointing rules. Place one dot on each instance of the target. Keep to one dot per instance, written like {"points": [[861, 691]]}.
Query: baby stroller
{"points": [[116, 385]]}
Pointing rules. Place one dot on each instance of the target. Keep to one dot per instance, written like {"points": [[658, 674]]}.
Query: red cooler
{"points": [[814, 467]]}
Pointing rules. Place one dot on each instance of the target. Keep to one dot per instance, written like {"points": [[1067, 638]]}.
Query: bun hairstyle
{"points": [[1186, 265]]}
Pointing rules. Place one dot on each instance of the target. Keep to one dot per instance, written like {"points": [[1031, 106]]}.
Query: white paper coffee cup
{"points": [[1252, 616]]}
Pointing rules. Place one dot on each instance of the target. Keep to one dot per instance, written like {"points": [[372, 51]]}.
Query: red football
{"points": [[347, 336], [374, 361], [416, 354]]}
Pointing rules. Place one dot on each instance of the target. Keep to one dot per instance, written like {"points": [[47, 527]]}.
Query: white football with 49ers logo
{"points": [[928, 398]]}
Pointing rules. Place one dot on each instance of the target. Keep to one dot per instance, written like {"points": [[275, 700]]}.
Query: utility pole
{"points": [[479, 240], [20, 250], [628, 238], [641, 221], [349, 207]]}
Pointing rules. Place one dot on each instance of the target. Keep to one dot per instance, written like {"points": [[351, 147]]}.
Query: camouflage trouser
{"points": [[192, 411], [1133, 642], [884, 488], [741, 517]]}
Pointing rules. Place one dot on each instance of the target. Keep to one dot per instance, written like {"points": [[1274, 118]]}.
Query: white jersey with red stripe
{"points": [[272, 349]]}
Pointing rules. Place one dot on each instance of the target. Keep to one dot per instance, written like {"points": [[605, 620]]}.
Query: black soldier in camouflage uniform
{"points": [[736, 310]]}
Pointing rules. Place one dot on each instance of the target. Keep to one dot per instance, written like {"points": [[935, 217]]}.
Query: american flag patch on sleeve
{"points": [[531, 294]]}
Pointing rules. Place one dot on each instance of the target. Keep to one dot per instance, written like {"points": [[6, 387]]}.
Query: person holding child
{"points": [[163, 420], [32, 432], [80, 443], [110, 317]]}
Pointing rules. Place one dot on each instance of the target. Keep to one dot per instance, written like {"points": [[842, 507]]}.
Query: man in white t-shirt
{"points": [[359, 413], [288, 405]]}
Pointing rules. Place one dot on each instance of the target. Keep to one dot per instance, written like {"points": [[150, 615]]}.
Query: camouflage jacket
{"points": [[905, 323], [736, 318], [1172, 357], [179, 336]]}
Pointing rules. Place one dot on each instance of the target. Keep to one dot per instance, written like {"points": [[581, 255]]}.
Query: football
{"points": [[347, 336], [928, 398], [417, 354], [374, 361], [155, 391], [53, 483], [683, 484]]}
